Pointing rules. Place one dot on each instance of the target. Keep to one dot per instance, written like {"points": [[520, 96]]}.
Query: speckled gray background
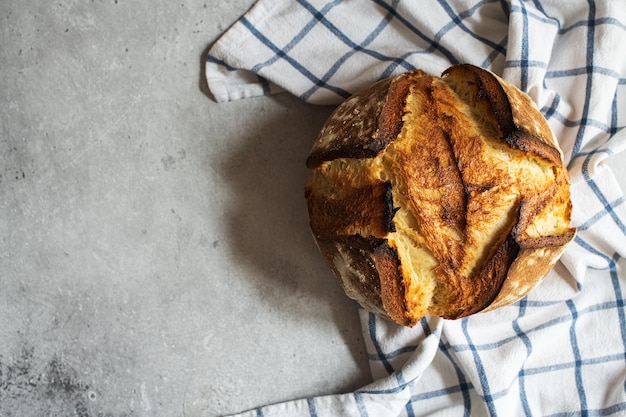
{"points": [[155, 256]]}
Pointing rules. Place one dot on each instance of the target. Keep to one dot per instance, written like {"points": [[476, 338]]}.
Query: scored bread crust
{"points": [[438, 195]]}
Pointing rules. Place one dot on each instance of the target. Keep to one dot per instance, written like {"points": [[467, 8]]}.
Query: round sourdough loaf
{"points": [[438, 195]]}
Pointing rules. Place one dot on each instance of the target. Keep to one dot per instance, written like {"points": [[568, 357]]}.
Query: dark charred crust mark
{"points": [[456, 217], [528, 143], [353, 213], [548, 241], [496, 271], [390, 210], [392, 285], [489, 89], [315, 160], [366, 243], [351, 130], [490, 279], [390, 119]]}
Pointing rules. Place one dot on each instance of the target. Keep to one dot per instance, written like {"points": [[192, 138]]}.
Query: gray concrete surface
{"points": [[155, 257]]}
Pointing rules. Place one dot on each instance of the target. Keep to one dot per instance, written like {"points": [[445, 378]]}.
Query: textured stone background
{"points": [[155, 256]]}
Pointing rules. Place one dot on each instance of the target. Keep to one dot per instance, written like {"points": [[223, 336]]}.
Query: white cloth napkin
{"points": [[561, 350]]}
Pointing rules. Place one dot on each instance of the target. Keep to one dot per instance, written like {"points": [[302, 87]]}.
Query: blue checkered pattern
{"points": [[561, 351]]}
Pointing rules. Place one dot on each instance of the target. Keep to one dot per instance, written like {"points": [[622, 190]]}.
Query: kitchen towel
{"points": [[561, 350]]}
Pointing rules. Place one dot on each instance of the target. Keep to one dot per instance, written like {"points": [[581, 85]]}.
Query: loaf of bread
{"points": [[440, 196]]}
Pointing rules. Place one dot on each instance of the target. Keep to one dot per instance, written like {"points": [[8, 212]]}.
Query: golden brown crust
{"points": [[443, 196], [514, 112]]}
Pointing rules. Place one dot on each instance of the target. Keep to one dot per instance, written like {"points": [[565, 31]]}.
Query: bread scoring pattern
{"points": [[438, 195]]}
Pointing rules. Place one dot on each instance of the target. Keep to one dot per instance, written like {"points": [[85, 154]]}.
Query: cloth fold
{"points": [[562, 349]]}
